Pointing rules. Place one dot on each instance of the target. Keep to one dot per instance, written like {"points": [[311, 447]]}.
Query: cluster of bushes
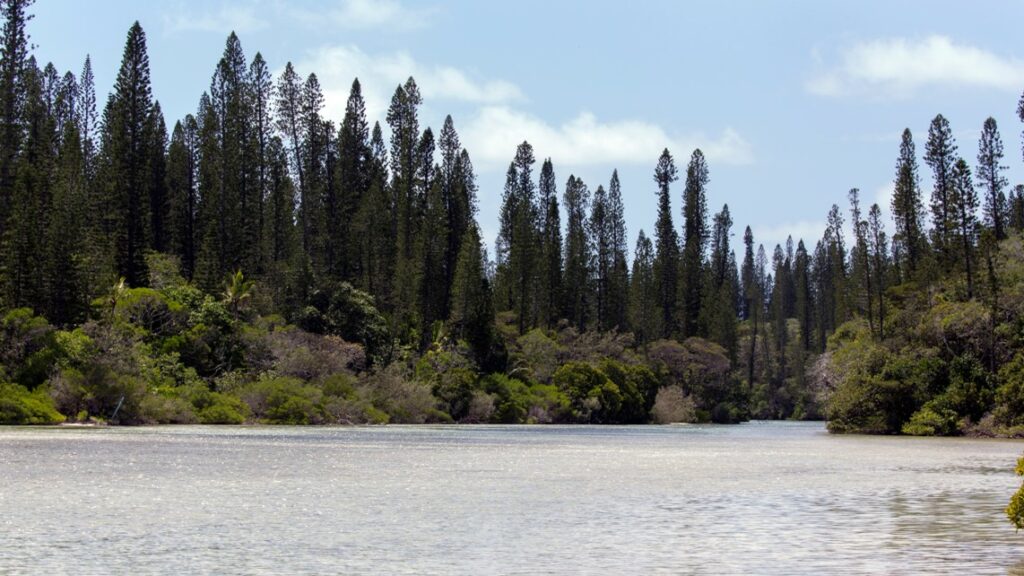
{"points": [[952, 365], [174, 354]]}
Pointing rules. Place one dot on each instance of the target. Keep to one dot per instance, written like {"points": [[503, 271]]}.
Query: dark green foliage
{"points": [[666, 244], [406, 165], [717, 316], [595, 398], [1010, 394], [352, 182], [24, 239], [341, 310], [26, 347], [618, 277], [472, 310], [964, 201], [14, 66], [126, 149], [702, 370], [991, 179], [600, 236], [644, 318], [453, 382], [66, 287], [550, 282], [1015, 204], [518, 240], [940, 155], [907, 211], [695, 235], [578, 255]]}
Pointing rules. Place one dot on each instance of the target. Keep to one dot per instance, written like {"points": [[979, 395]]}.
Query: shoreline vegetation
{"points": [[258, 262]]}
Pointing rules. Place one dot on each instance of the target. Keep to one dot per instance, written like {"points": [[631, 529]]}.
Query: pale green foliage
{"points": [[1015, 511]]}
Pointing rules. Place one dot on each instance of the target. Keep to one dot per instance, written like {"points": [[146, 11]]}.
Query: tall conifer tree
{"points": [[695, 234], [550, 287], [940, 155], [964, 201], [907, 210], [127, 129], [991, 179], [618, 285], [578, 254], [644, 318], [666, 244]]}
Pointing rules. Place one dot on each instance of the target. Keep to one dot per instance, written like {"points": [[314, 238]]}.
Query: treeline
{"points": [[256, 232]]}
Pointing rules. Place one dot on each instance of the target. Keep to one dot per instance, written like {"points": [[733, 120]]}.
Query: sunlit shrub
{"points": [[673, 405], [933, 419], [283, 400], [19, 406]]}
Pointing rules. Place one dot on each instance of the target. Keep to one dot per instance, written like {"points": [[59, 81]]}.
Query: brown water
{"points": [[764, 498]]}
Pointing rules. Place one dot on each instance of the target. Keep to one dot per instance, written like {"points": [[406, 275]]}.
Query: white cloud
{"points": [[898, 67], [495, 131], [337, 66], [363, 14], [241, 18], [810, 231]]}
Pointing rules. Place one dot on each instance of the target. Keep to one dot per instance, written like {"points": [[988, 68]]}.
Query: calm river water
{"points": [[759, 498]]}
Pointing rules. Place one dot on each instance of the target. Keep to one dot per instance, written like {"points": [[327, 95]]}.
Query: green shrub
{"points": [[511, 398], [339, 385], [537, 354], [932, 420], [27, 347], [452, 379], [405, 400], [292, 410], [344, 311], [1010, 395], [219, 408], [163, 409], [19, 406], [283, 400]]}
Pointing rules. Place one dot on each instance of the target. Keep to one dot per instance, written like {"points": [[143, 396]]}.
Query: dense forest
{"points": [[258, 262]]}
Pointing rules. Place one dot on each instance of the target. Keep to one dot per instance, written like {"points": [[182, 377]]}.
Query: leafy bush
{"points": [[1010, 395], [701, 368], [19, 406], [341, 310], [536, 355], [933, 419], [283, 400], [216, 407], [452, 379], [148, 312], [166, 409], [638, 387], [26, 347], [313, 356], [405, 400], [595, 398]]}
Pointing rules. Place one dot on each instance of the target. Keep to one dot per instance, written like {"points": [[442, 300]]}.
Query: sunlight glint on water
{"points": [[758, 498]]}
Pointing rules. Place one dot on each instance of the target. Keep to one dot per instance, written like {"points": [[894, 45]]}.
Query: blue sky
{"points": [[793, 103]]}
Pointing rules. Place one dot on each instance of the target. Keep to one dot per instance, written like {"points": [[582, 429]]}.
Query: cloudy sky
{"points": [[793, 103]]}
